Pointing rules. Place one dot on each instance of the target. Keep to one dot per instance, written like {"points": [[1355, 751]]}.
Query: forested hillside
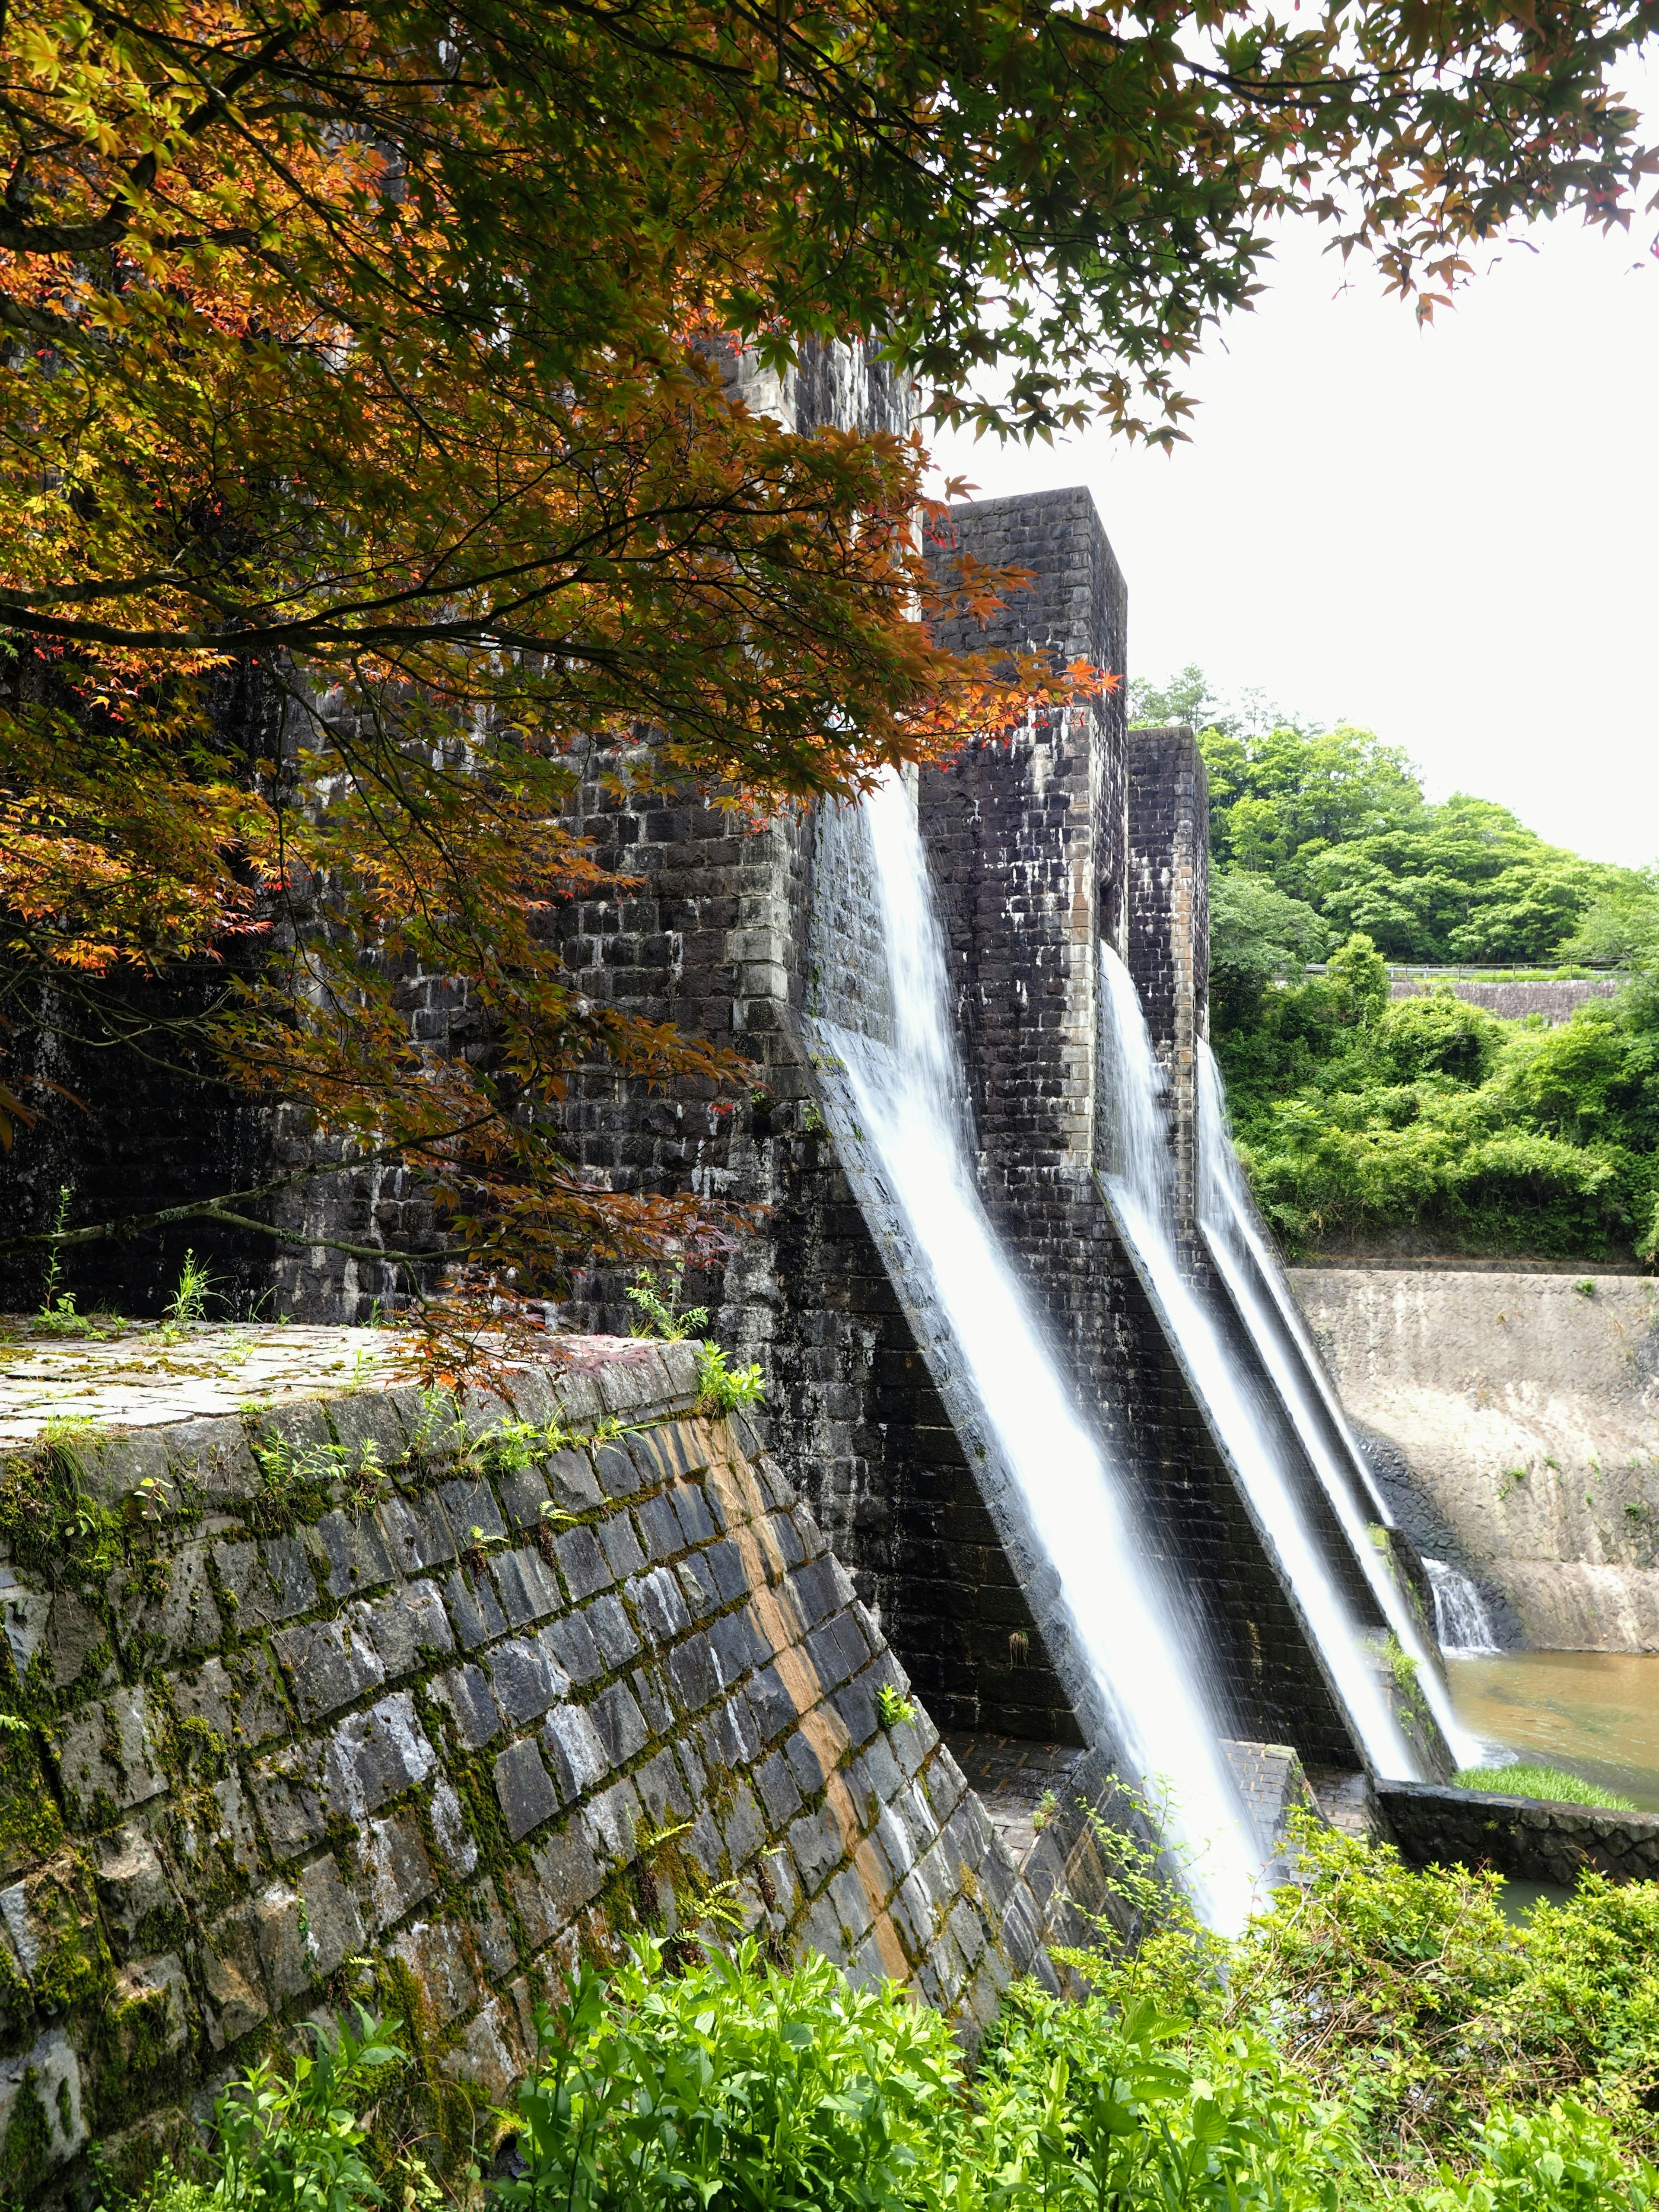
{"points": [[1424, 1121]]}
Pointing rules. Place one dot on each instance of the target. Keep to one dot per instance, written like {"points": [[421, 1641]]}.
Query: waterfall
{"points": [[1142, 1188], [910, 1107], [1250, 1269], [1461, 1625]]}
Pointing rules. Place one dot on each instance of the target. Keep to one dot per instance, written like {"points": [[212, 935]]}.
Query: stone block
{"points": [[473, 1609], [770, 1704], [567, 1875], [698, 1586], [282, 1947], [524, 1789], [610, 1823], [472, 1512], [816, 1845], [526, 1586], [570, 1643], [570, 1477], [662, 1789], [452, 1831], [327, 1665], [417, 1532], [354, 1548], [619, 1475], [395, 1872], [108, 1757], [470, 1700], [407, 1628], [491, 1931], [148, 1628], [436, 1953], [583, 1564], [724, 1561], [620, 1544], [576, 1750], [526, 1681], [523, 1493], [620, 1722], [612, 1631], [693, 1680], [288, 1790], [265, 1583], [659, 1607], [229, 1962], [659, 1529], [778, 1790], [140, 1907], [375, 1755]]}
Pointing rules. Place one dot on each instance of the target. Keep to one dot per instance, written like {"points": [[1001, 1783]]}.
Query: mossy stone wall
{"points": [[383, 1696]]}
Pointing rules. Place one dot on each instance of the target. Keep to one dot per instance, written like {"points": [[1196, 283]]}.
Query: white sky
{"points": [[1449, 535]]}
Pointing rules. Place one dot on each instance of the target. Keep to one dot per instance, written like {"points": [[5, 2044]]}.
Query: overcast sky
{"points": [[1450, 536]]}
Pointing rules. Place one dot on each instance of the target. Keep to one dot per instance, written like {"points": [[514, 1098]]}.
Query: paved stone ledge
{"points": [[396, 1675]]}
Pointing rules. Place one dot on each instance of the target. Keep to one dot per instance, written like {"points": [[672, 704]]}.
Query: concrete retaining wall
{"points": [[1518, 1415]]}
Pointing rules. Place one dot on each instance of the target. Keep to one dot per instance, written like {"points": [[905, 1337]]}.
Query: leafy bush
{"points": [[1356, 1117], [293, 2141], [737, 2086], [1549, 1782]]}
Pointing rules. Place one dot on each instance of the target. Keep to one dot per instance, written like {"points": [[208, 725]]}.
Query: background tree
{"points": [[368, 357]]}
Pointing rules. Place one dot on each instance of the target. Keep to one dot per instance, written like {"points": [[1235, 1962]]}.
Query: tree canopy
{"points": [[370, 357]]}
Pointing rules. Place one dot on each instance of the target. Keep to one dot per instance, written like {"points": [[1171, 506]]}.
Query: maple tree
{"points": [[366, 445]]}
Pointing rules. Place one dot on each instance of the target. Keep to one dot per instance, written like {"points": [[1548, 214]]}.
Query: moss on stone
{"points": [[26, 2151]]}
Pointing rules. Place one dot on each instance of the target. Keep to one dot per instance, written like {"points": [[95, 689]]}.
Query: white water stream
{"points": [[910, 1103], [1250, 1270], [1142, 1188], [1461, 1625]]}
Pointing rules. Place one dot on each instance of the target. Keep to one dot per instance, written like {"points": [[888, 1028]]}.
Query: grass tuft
{"points": [[1545, 1782]]}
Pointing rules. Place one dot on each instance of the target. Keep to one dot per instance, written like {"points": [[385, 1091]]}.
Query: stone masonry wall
{"points": [[420, 1686], [1168, 949]]}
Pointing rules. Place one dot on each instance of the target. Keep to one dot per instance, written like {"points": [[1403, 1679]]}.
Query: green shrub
{"points": [[1547, 1782], [737, 2086], [293, 2141]]}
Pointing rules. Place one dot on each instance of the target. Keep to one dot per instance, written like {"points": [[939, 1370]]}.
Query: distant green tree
{"points": [[1258, 935], [1186, 697], [1463, 882], [1279, 799]]}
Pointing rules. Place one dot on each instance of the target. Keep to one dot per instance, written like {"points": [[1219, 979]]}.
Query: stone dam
{"points": [[326, 1685]]}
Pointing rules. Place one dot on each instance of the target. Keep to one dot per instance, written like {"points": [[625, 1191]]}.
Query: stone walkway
{"points": [[139, 1375]]}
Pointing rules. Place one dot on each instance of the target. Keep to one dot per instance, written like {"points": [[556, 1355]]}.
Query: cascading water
{"points": [[1250, 1270], [1142, 1190], [910, 1105], [1462, 1627]]}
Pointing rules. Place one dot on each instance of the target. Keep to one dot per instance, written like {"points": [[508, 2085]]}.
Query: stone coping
{"points": [[139, 1375]]}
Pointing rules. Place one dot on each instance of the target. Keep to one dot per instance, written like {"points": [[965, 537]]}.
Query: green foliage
{"points": [[291, 2138], [722, 1389], [189, 1300], [1547, 1782], [1336, 820], [1462, 881], [1280, 799], [1406, 1997], [660, 1313], [893, 1708], [1257, 934], [1358, 1117], [735, 2086]]}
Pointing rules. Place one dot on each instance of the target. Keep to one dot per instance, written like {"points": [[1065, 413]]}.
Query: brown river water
{"points": [[1595, 1714]]}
